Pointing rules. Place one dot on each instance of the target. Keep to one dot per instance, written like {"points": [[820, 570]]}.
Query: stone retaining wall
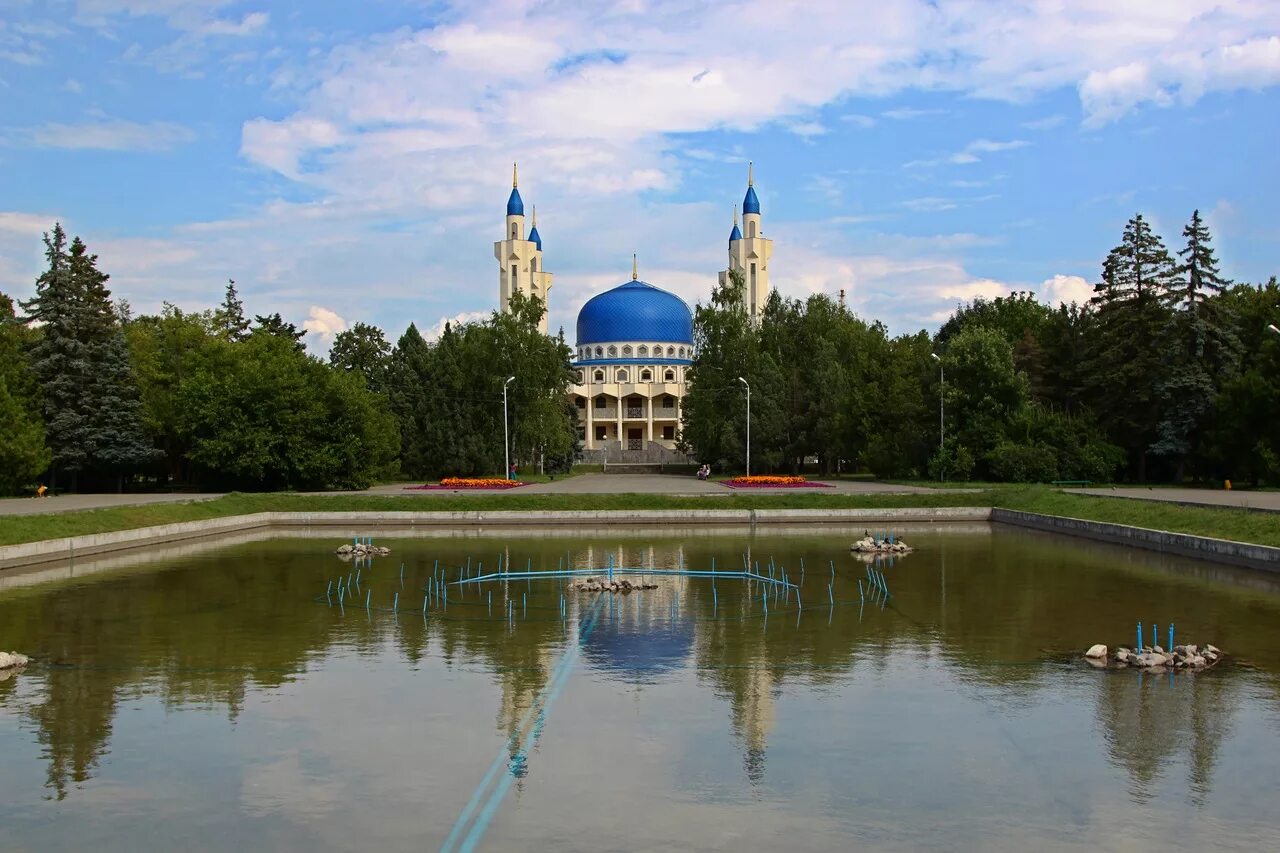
{"points": [[1184, 544]]}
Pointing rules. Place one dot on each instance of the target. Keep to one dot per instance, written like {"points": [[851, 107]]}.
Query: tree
{"points": [[23, 452], [80, 360], [1125, 367], [363, 350], [264, 414], [274, 324], [229, 320], [1198, 347]]}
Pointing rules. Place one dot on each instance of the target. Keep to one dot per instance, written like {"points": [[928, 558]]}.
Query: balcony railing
{"points": [[635, 444], [635, 411]]}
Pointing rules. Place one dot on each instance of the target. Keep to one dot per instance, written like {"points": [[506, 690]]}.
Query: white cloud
{"points": [[324, 323], [110, 135], [434, 332], [25, 224], [1065, 288]]}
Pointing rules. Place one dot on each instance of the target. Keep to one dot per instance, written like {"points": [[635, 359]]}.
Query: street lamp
{"points": [[942, 412], [748, 384], [1272, 327], [506, 443]]}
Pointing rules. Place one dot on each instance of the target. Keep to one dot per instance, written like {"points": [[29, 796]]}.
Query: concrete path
{"points": [[658, 484], [1268, 501], [72, 503]]}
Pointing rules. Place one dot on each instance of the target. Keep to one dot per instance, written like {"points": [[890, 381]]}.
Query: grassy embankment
{"points": [[1241, 525]]}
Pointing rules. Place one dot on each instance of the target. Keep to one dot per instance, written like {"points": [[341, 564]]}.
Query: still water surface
{"points": [[210, 698]]}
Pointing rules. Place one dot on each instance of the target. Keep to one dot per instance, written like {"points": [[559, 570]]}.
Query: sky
{"points": [[350, 162]]}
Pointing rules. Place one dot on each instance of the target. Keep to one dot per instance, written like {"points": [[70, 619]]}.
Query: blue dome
{"points": [[635, 311], [515, 204], [536, 238], [750, 204], [735, 234]]}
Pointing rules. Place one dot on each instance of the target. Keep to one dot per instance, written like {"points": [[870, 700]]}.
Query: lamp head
{"points": [[743, 381], [934, 356], [510, 379], [1272, 327]]}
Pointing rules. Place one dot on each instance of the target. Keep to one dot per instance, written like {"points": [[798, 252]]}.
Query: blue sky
{"points": [[350, 162]]}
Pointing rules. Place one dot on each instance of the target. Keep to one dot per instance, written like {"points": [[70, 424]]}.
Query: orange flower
{"points": [[478, 483], [766, 480]]}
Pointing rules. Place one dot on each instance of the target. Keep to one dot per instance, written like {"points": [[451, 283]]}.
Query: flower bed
{"points": [[768, 481], [471, 483]]}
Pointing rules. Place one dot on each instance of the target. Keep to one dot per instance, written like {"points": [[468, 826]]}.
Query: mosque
{"points": [[635, 341]]}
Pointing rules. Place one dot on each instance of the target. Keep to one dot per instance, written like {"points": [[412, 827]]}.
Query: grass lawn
{"points": [[1224, 523]]}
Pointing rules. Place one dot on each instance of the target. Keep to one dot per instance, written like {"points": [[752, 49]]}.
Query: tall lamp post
{"points": [[506, 442], [942, 401], [748, 384]]}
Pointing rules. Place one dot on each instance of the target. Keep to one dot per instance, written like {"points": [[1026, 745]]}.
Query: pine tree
{"points": [[229, 320], [60, 358], [274, 324], [1126, 366], [1198, 348], [82, 364]]}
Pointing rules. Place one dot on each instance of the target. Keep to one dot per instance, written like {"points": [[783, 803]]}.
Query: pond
{"points": [[212, 697]]}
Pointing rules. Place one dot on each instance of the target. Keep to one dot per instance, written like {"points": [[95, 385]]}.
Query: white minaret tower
{"points": [[520, 259], [749, 252]]}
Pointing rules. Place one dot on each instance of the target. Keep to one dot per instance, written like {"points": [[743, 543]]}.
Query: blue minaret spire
{"points": [[750, 204], [515, 204], [534, 236], [736, 233]]}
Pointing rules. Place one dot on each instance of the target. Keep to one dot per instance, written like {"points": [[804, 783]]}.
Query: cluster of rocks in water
{"points": [[871, 545], [360, 549], [12, 660], [1154, 657], [621, 585]]}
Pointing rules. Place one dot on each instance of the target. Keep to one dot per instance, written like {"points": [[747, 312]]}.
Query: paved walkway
{"points": [[659, 484], [71, 503], [1269, 501]]}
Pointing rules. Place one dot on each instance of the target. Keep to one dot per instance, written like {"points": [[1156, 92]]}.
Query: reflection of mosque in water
{"points": [[638, 641]]}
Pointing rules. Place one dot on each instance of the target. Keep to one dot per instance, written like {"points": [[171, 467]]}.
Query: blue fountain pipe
{"points": [[367, 596], [831, 596], [1139, 638], [1155, 634], [425, 599], [1171, 637], [395, 602]]}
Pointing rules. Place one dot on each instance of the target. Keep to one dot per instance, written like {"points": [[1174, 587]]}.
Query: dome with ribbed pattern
{"points": [[635, 311]]}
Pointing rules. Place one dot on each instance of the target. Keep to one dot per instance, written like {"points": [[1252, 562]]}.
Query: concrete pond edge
{"points": [[1244, 554]]}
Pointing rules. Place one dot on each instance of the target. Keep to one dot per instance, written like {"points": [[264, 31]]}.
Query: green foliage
{"points": [[23, 454], [277, 326], [229, 321], [90, 397], [447, 396], [265, 415], [363, 350]]}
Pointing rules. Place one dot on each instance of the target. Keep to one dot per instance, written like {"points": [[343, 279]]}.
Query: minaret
{"points": [[749, 252], [520, 258]]}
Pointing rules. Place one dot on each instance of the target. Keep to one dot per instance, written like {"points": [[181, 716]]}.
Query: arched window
{"points": [[643, 352], [580, 377], [533, 265], [682, 352], [602, 402], [751, 229], [513, 231], [613, 351], [622, 376], [671, 352], [668, 401], [669, 376], [626, 350], [646, 375], [599, 352], [599, 376]]}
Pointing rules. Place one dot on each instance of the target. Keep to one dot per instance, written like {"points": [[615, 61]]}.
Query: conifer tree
{"points": [[1126, 366], [229, 320], [1198, 347], [274, 324], [81, 361]]}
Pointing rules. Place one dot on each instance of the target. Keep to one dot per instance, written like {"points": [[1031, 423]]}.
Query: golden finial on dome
{"points": [[749, 178], [513, 175], [735, 214], [535, 216], [635, 268]]}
